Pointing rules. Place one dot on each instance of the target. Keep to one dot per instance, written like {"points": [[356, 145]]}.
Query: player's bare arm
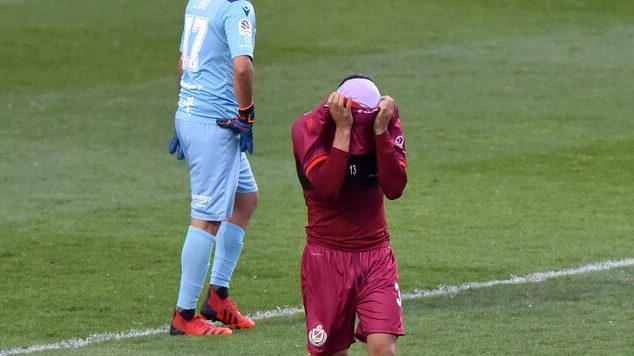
{"points": [[340, 109], [243, 75]]}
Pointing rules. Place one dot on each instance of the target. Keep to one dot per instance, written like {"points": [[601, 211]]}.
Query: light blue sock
{"points": [[228, 249], [194, 266]]}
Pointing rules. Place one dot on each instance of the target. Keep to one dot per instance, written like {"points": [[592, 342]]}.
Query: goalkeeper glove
{"points": [[246, 142], [243, 125], [175, 147]]}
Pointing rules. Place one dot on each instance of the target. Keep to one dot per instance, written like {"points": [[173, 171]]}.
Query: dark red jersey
{"points": [[344, 190]]}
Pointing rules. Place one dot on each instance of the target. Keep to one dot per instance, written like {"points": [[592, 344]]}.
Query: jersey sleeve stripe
{"points": [[315, 162]]}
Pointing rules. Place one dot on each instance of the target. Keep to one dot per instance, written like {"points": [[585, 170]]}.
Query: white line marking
{"points": [[288, 311], [529, 278]]}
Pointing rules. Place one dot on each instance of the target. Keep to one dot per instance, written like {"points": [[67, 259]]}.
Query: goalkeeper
{"points": [[213, 130], [350, 153]]}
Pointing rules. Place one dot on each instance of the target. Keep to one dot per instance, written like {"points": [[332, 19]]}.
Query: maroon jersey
{"points": [[344, 190]]}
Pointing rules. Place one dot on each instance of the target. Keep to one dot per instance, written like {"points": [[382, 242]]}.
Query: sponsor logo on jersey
{"points": [[246, 10], [317, 336], [199, 200]]}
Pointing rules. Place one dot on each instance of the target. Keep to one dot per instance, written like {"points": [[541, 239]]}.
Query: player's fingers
{"points": [[331, 98], [386, 102], [340, 98]]}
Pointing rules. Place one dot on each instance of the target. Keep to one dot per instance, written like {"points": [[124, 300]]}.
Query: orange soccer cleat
{"points": [[197, 326], [224, 310]]}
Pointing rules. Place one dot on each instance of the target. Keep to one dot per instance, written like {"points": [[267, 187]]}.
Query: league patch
{"points": [[317, 336], [245, 28], [399, 141]]}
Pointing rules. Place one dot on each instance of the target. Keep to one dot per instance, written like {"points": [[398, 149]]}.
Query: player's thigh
{"points": [[381, 344], [379, 301], [213, 158], [328, 291], [245, 205], [247, 196]]}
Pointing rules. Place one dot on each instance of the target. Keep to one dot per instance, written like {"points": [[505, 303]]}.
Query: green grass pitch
{"points": [[519, 119]]}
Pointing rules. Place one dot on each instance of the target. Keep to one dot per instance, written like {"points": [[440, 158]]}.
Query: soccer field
{"points": [[519, 119]]}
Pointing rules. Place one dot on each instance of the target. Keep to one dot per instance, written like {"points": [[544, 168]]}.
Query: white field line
{"points": [[287, 311]]}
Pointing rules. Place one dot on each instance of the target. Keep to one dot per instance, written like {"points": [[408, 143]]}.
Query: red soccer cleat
{"points": [[197, 326], [226, 311]]}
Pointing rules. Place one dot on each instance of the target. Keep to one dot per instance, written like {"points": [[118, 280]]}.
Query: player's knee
{"points": [[209, 226], [386, 350]]}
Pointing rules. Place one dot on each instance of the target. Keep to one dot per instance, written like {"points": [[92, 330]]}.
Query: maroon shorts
{"points": [[336, 285]]}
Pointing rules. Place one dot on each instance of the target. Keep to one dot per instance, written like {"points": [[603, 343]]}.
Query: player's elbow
{"points": [[394, 191], [242, 67], [393, 195]]}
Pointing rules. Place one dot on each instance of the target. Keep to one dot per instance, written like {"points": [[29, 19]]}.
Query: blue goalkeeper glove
{"points": [[243, 125], [246, 142], [175, 147]]}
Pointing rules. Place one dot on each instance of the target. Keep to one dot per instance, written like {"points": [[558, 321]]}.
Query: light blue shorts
{"points": [[217, 168]]}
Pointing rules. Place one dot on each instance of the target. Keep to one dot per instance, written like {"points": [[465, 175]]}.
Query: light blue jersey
{"points": [[215, 32]]}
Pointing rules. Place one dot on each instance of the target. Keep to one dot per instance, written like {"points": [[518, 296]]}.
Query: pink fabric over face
{"points": [[363, 91]]}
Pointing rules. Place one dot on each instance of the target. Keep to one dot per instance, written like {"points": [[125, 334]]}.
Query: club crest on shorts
{"points": [[317, 336]]}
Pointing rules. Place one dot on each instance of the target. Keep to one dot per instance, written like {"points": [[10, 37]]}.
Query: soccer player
{"points": [[213, 130], [350, 153]]}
